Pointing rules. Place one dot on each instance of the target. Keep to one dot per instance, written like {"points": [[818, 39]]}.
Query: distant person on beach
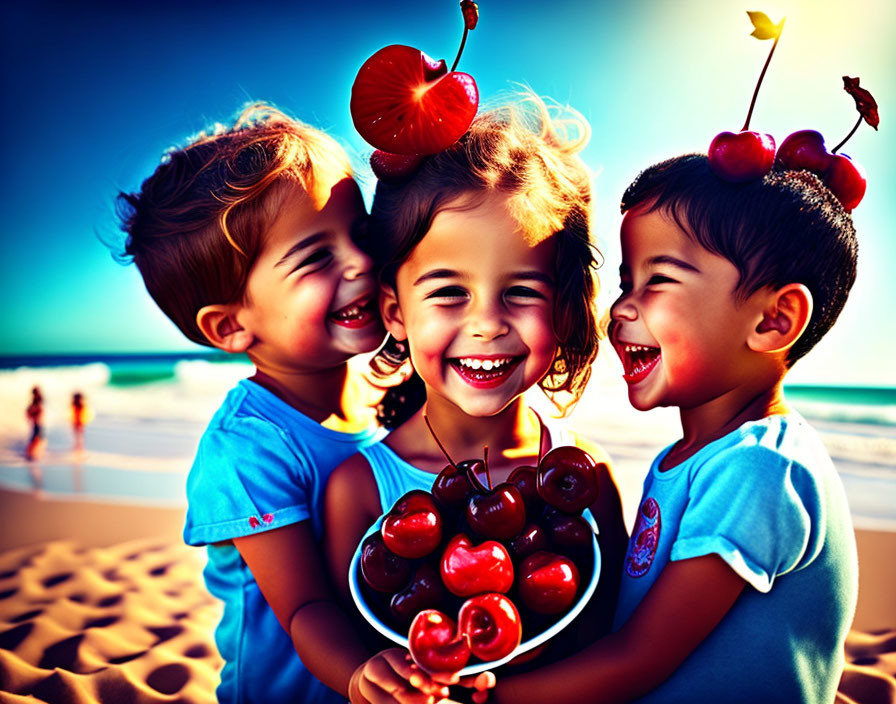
{"points": [[740, 580], [246, 239], [81, 415], [35, 415]]}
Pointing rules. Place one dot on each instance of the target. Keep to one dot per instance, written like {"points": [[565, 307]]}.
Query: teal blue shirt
{"points": [[260, 465], [767, 499]]}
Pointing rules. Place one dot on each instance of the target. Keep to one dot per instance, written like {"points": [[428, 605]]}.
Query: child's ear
{"points": [[390, 311], [785, 315], [219, 325]]}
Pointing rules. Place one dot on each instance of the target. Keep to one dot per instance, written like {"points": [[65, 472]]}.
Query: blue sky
{"points": [[95, 92]]}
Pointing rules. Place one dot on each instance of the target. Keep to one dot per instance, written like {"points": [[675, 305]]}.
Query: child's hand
{"points": [[391, 676]]}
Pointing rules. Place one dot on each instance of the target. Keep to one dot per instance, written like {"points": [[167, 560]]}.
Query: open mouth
{"points": [[484, 371], [355, 315], [637, 360]]}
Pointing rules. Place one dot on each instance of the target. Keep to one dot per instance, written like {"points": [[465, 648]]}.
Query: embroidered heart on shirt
{"points": [[267, 518]]}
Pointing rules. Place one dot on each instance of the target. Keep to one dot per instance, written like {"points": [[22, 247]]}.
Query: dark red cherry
{"points": [[381, 568], [743, 156]]}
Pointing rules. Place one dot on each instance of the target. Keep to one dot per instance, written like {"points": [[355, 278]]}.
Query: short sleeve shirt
{"points": [[767, 499], [261, 464]]}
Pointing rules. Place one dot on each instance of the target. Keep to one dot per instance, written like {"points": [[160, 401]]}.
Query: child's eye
{"points": [[448, 292], [319, 257], [657, 279], [524, 292]]}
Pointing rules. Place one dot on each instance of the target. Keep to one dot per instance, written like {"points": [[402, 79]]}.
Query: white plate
{"points": [[477, 667]]}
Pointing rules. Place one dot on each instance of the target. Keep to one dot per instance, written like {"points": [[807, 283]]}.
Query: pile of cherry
{"points": [[506, 559]]}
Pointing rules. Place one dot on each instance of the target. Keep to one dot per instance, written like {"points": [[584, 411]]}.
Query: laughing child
{"points": [[740, 579], [245, 239], [488, 277]]}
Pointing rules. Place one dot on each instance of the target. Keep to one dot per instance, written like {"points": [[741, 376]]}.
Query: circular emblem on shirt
{"points": [[645, 538]]}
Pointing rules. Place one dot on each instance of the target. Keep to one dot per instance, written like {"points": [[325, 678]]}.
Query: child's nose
{"points": [[358, 263], [623, 309], [486, 321]]}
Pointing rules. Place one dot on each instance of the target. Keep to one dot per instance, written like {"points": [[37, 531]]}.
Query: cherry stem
{"points": [[488, 475], [540, 439], [436, 438], [759, 82], [460, 51], [851, 133]]}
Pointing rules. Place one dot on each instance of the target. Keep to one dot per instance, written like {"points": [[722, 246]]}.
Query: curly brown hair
{"points": [[527, 151], [197, 224]]}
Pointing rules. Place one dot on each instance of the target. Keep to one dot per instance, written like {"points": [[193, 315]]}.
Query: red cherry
{"points": [[804, 150], [467, 569], [569, 533], [403, 102], [425, 591], [525, 479], [393, 167], [741, 157], [435, 644], [491, 624], [531, 539], [452, 485], [497, 513], [381, 568], [413, 527], [567, 479], [548, 582], [846, 179]]}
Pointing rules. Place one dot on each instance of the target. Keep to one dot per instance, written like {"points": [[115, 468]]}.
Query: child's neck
{"points": [[335, 398], [711, 421], [512, 437]]}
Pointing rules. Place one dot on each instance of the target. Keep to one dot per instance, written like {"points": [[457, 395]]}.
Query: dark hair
{"points": [[784, 228], [197, 225], [530, 153]]}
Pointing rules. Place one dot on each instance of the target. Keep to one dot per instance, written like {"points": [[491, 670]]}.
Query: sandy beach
{"points": [[100, 601]]}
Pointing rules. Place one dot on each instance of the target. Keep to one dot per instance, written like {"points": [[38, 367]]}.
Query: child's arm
{"points": [[290, 573], [685, 604], [352, 504]]}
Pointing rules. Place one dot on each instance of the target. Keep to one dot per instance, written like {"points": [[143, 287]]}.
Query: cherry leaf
{"points": [[470, 11], [763, 27], [865, 102]]}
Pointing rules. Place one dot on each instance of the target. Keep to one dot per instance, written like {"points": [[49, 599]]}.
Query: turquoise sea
{"points": [[150, 410]]}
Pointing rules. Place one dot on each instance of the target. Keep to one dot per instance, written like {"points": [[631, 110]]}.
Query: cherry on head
{"points": [[746, 156], [406, 104]]}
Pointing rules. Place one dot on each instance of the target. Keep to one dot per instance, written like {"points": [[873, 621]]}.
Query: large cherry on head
{"points": [[492, 626], [435, 643], [413, 527], [469, 569], [805, 150], [746, 155], [381, 568], [548, 582], [567, 479], [403, 102]]}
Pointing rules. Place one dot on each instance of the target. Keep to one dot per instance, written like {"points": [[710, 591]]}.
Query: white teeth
{"points": [[636, 348], [485, 364]]}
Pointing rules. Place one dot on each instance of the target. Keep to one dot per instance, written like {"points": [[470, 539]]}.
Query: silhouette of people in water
{"points": [[80, 416], [35, 414]]}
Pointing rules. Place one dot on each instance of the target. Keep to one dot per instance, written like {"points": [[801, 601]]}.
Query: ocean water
{"points": [[150, 410]]}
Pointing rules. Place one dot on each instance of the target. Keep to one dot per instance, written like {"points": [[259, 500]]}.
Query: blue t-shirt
{"points": [[767, 499], [261, 465]]}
